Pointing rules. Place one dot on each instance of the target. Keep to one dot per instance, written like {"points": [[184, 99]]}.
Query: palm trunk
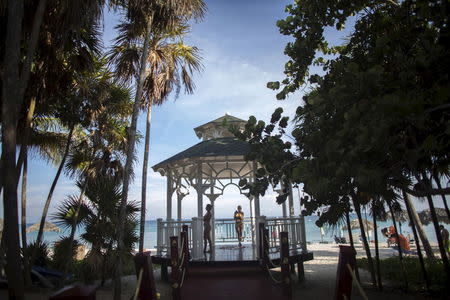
{"points": [[364, 239], [23, 222], [350, 237], [12, 99], [438, 232], [416, 239], [129, 163], [144, 177], [53, 186], [400, 252], [26, 133], [377, 252], [438, 183], [420, 230]]}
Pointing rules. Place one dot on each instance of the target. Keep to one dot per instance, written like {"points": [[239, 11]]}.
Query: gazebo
{"points": [[210, 167]]}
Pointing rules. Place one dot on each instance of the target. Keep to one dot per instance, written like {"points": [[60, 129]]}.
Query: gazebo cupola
{"points": [[219, 128]]}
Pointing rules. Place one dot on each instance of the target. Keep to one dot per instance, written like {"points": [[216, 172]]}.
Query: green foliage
{"points": [[98, 215], [62, 253], [391, 271], [42, 253], [377, 115]]}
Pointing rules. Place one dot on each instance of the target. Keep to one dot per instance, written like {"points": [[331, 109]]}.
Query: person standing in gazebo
{"points": [[207, 228], [239, 219]]}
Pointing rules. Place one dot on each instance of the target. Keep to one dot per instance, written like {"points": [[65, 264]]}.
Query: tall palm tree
{"points": [[142, 18], [171, 65]]}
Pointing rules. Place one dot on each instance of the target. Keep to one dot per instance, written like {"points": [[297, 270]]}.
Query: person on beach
{"points": [[207, 228], [445, 238], [239, 223], [399, 239]]}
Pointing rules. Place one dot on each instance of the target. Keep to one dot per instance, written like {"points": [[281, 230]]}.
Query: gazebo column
{"points": [[257, 213], [180, 197], [169, 195], [257, 209], [283, 205], [200, 190], [291, 200], [212, 198], [252, 219]]}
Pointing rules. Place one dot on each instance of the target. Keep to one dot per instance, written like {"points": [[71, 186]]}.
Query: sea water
{"points": [[313, 233]]}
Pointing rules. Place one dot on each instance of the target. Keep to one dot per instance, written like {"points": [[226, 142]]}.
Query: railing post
{"points": [[175, 274], [266, 246], [303, 233], [186, 241], [196, 237], [259, 220], [159, 240], [285, 267]]}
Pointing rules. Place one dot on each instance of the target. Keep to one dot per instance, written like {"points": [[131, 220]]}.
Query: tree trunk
{"points": [[144, 177], [23, 221], [377, 252], [53, 186], [11, 101], [129, 164], [438, 183], [13, 90], [438, 232], [364, 239], [416, 239], [400, 252], [26, 134], [419, 227], [350, 237]]}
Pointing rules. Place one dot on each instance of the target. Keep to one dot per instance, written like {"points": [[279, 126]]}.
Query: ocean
{"points": [[313, 233]]}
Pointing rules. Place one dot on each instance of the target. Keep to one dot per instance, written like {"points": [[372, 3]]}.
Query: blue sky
{"points": [[242, 50]]}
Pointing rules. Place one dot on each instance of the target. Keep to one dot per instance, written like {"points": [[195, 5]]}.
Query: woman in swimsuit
{"points": [[239, 219], [207, 228]]}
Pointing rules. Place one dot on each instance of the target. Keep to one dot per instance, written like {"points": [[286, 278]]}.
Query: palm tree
{"points": [[171, 64], [144, 17], [98, 215]]}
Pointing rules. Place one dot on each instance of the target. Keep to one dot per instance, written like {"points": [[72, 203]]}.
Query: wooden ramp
{"points": [[230, 282]]}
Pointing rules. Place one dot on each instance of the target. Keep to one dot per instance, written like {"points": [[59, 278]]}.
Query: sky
{"points": [[242, 50]]}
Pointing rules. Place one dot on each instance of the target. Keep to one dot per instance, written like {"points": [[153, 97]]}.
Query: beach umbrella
{"points": [[354, 224], [425, 216], [47, 227]]}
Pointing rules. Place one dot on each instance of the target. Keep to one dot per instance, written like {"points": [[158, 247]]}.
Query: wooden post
{"points": [[301, 271], [175, 275], [147, 288], [159, 236], [285, 270], [186, 241], [347, 255], [266, 245], [261, 242]]}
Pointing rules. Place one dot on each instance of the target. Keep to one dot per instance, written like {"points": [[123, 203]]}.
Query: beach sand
{"points": [[320, 279]]}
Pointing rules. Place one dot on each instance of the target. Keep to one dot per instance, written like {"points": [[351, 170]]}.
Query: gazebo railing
{"points": [[295, 226], [167, 228], [225, 230]]}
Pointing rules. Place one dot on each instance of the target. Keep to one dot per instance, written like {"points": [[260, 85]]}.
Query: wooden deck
{"points": [[232, 254]]}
